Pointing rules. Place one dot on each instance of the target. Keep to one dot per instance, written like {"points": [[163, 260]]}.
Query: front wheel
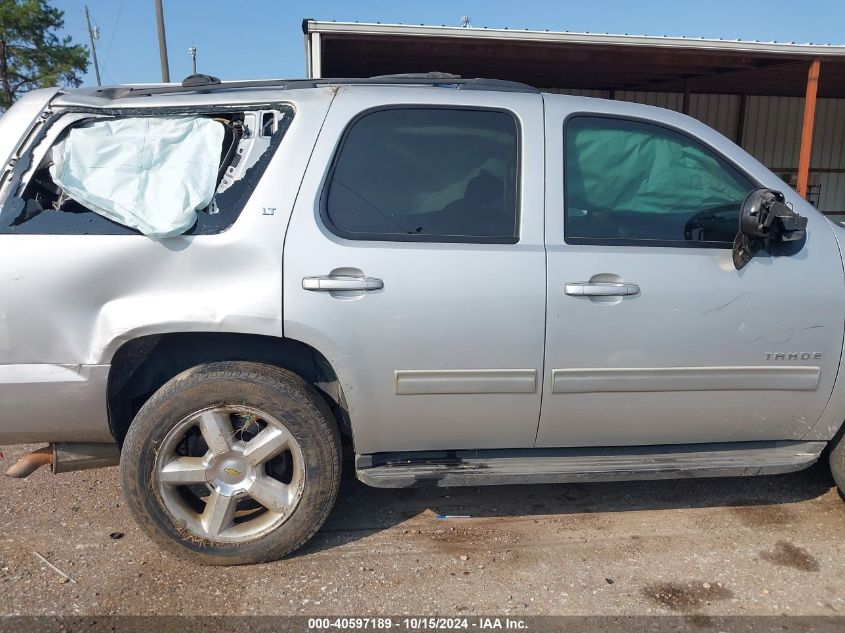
{"points": [[232, 463], [837, 460]]}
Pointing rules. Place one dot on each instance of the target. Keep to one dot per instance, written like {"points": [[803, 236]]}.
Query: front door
{"points": [[414, 262], [653, 336]]}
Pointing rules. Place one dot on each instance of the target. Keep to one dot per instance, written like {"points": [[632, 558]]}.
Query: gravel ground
{"points": [[762, 546]]}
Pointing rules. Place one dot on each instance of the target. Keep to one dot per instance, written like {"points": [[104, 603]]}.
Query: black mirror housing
{"points": [[765, 220]]}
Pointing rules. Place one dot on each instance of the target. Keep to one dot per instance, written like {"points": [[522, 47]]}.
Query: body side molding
{"points": [[685, 379], [447, 381]]}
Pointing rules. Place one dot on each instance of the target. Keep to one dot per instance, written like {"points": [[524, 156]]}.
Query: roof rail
{"points": [[206, 84]]}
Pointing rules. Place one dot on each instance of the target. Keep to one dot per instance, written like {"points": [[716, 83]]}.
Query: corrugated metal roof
{"points": [[527, 35]]}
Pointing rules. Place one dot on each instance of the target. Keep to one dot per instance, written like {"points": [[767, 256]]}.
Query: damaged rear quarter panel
{"points": [[72, 300], [19, 120]]}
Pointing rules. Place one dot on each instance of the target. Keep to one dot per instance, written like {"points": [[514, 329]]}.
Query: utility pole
{"points": [[193, 53], [93, 34], [162, 43]]}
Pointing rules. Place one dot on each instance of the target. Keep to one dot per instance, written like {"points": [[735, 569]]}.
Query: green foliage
{"points": [[32, 55]]}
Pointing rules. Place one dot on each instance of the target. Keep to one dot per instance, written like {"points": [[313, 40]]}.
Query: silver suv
{"points": [[468, 281]]}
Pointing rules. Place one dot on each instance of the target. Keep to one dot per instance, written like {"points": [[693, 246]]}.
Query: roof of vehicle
{"points": [[206, 84], [211, 90]]}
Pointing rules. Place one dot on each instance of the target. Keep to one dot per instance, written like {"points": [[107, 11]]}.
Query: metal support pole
{"points": [[807, 128], [741, 113], [93, 34], [316, 70], [193, 53], [162, 43]]}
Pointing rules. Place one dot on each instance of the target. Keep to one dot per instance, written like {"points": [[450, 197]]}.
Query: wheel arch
{"points": [[140, 366]]}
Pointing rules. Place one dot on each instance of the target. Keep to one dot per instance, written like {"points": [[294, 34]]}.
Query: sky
{"points": [[249, 39]]}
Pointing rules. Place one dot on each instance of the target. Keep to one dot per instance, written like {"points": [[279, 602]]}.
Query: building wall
{"points": [[773, 136], [772, 132]]}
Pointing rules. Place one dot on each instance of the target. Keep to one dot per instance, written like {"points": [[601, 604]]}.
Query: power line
{"points": [[111, 37]]}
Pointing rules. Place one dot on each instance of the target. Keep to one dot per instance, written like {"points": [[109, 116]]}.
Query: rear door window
{"points": [[426, 174]]}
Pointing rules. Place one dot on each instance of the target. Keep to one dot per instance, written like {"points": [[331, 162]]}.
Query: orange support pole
{"points": [[807, 129]]}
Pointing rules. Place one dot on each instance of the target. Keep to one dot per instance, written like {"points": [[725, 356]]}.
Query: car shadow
{"points": [[361, 510]]}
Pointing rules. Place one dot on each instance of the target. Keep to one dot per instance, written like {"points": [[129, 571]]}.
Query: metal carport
{"points": [[783, 102]]}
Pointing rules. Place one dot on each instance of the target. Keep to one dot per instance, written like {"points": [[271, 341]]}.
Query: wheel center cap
{"points": [[230, 471]]}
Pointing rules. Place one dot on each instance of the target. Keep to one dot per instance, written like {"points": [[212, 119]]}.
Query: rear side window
{"points": [[631, 182], [141, 173], [428, 175]]}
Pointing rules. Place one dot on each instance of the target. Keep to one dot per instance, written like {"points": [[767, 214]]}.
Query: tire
{"points": [[837, 460], [179, 448]]}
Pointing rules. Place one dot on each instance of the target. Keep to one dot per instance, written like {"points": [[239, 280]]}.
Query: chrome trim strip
{"points": [[448, 381], [655, 379]]}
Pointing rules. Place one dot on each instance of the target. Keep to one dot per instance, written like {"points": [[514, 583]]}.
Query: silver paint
{"points": [[423, 315], [444, 307], [693, 310], [72, 300]]}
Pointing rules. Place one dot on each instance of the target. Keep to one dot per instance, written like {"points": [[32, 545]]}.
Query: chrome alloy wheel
{"points": [[230, 473]]}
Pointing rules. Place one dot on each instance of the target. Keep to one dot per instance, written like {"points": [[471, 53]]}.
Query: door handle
{"points": [[329, 283], [600, 289]]}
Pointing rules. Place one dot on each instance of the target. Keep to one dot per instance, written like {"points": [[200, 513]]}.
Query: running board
{"points": [[571, 465]]}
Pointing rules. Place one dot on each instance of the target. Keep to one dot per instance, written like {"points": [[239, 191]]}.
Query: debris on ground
{"points": [[54, 568]]}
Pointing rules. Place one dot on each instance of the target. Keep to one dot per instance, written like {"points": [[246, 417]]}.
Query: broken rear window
{"points": [[159, 176]]}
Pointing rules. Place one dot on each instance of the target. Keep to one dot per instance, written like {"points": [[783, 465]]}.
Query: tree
{"points": [[32, 54]]}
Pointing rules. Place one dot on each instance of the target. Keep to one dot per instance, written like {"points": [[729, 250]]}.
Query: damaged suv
{"points": [[468, 281]]}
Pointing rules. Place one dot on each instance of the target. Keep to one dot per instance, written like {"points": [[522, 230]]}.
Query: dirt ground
{"points": [[767, 545]]}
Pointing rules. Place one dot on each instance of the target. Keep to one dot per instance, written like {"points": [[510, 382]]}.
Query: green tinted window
{"points": [[629, 180]]}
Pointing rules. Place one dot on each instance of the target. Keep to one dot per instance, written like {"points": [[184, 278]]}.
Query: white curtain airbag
{"points": [[150, 174]]}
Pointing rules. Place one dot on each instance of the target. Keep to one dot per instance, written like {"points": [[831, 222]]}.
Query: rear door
{"points": [[414, 261], [653, 336]]}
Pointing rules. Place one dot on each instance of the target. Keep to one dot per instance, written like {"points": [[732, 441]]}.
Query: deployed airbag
{"points": [[148, 173]]}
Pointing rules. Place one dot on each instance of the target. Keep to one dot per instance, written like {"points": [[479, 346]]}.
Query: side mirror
{"points": [[765, 221]]}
